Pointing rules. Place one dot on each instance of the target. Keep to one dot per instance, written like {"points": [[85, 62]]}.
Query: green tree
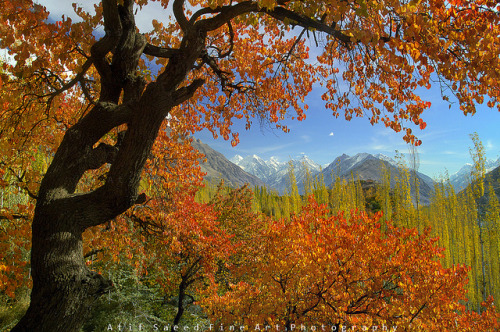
{"points": [[295, 199], [477, 175]]}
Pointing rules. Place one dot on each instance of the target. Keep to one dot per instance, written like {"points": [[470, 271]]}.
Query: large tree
{"points": [[110, 90]]}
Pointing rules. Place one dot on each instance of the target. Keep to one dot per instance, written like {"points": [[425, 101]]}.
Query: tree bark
{"points": [[64, 289]]}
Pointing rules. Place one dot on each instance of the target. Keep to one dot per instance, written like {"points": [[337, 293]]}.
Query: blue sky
{"points": [[445, 141]]}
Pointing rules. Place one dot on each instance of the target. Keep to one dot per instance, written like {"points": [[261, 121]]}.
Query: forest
{"points": [[106, 223], [192, 260]]}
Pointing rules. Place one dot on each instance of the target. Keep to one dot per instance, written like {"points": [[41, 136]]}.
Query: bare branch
{"points": [[20, 179], [418, 312], [70, 84], [184, 93], [160, 52], [86, 92], [178, 8], [13, 216]]}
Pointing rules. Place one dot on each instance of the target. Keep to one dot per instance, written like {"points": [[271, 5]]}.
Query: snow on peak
{"points": [[236, 159], [256, 157], [385, 158]]}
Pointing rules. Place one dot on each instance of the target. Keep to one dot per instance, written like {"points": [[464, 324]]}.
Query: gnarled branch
{"points": [[160, 52], [184, 93], [178, 9]]}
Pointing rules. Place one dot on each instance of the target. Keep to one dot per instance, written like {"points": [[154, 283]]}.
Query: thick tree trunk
{"points": [[64, 289]]}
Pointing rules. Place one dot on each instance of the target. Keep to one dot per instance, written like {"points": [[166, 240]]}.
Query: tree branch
{"points": [[5, 216], [178, 9], [160, 52], [20, 179], [102, 154], [112, 24], [184, 93], [281, 13], [75, 155], [71, 83], [227, 13], [418, 312], [93, 252]]}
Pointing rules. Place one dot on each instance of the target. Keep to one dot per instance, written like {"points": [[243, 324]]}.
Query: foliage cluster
{"points": [[118, 194]]}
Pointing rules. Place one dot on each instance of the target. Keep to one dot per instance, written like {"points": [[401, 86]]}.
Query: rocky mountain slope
{"points": [[218, 167], [461, 179], [366, 166]]}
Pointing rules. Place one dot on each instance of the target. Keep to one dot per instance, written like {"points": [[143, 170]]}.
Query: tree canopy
{"points": [[98, 96]]}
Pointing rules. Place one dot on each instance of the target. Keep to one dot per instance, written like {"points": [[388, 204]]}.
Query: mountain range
{"points": [[274, 174], [461, 179], [364, 166], [218, 167]]}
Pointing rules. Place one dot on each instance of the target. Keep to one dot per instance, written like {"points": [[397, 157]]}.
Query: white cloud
{"points": [[450, 153], [331, 134], [382, 147], [263, 149], [306, 138], [489, 145]]}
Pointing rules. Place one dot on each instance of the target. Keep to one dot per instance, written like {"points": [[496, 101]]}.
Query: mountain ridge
{"points": [[274, 174], [219, 167], [461, 179], [364, 165]]}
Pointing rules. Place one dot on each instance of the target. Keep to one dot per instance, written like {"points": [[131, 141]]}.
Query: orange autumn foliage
{"points": [[97, 94], [389, 49], [318, 269]]}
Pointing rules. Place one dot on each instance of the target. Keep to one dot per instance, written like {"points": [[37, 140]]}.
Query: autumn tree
{"points": [[98, 100], [346, 272], [295, 199]]}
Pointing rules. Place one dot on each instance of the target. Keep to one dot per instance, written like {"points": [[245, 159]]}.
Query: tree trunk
{"points": [[64, 289]]}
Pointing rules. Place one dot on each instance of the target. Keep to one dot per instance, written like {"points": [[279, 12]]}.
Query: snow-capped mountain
{"points": [[263, 169], [363, 165], [275, 173], [461, 179], [386, 158]]}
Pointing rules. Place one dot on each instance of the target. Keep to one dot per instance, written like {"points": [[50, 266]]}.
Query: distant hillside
{"points": [[218, 167], [461, 179], [370, 167], [492, 176]]}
